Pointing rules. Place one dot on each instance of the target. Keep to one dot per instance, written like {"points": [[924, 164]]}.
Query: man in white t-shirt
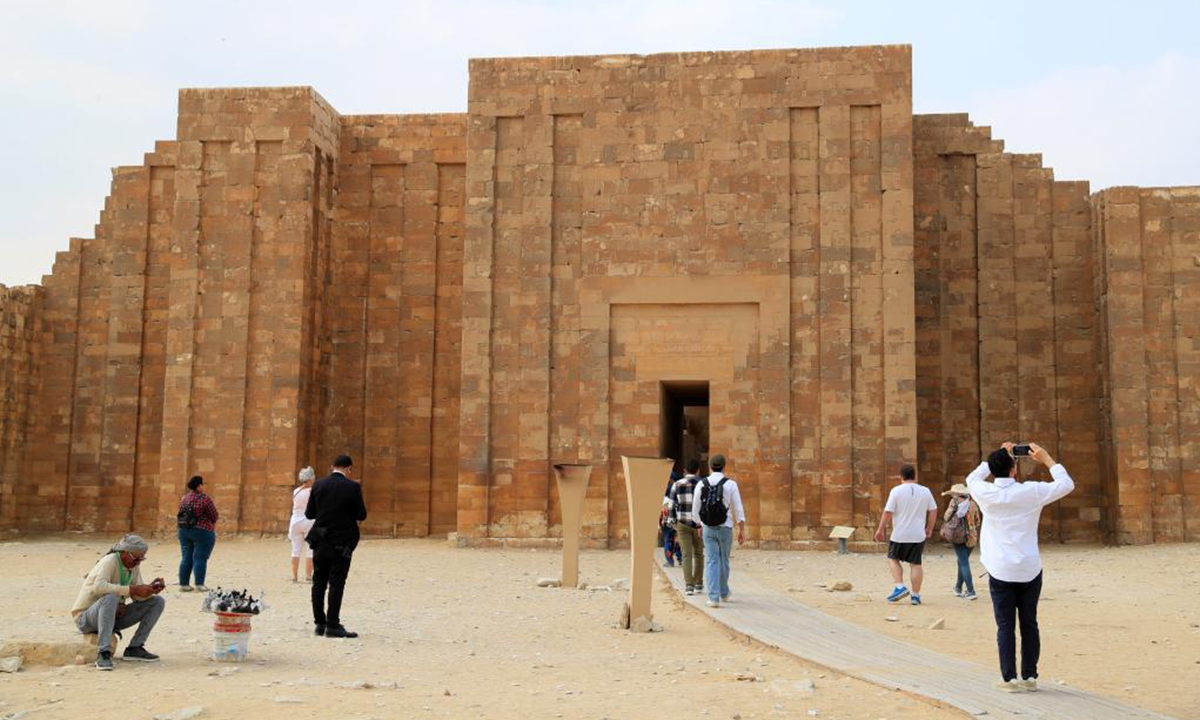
{"points": [[912, 512]]}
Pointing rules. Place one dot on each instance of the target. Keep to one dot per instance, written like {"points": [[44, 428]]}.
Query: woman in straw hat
{"points": [[961, 529]]}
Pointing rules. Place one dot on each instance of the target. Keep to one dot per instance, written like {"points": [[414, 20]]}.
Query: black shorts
{"points": [[906, 552]]}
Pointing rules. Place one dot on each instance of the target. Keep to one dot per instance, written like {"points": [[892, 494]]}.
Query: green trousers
{"points": [[692, 546]]}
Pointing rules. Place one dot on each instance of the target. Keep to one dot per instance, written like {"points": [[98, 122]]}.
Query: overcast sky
{"points": [[1107, 92]]}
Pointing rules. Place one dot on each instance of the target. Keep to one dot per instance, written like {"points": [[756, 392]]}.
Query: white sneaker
{"points": [[713, 603], [970, 596], [1029, 684], [1011, 686]]}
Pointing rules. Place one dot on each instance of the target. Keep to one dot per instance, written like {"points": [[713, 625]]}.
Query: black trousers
{"points": [[330, 568], [1010, 601]]}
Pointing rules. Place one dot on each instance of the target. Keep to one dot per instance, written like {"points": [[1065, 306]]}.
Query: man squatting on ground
{"points": [[101, 608], [912, 512], [1008, 548]]}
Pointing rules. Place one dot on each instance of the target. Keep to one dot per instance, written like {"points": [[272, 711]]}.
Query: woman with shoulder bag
{"points": [[197, 534], [961, 529]]}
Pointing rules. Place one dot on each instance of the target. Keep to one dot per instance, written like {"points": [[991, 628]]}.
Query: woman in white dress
{"points": [[299, 526]]}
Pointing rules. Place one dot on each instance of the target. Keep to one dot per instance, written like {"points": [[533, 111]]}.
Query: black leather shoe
{"points": [[319, 629], [339, 631]]}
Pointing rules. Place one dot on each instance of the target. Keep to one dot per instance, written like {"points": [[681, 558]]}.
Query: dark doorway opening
{"points": [[683, 423]]}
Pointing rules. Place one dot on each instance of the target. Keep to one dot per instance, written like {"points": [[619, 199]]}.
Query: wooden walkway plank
{"points": [[781, 622]]}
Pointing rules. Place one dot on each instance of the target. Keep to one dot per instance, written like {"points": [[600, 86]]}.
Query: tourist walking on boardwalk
{"points": [[666, 528], [197, 520], [720, 506], [1008, 548], [298, 525], [960, 528], [912, 513], [336, 507], [100, 607], [682, 516]]}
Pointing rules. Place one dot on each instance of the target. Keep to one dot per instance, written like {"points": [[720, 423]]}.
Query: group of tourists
{"points": [[323, 528], [699, 515], [702, 515], [1001, 517]]}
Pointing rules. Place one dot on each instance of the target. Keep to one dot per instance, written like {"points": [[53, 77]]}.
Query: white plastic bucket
{"points": [[230, 646]]}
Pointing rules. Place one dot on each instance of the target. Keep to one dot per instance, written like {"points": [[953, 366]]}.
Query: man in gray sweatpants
{"points": [[101, 607]]}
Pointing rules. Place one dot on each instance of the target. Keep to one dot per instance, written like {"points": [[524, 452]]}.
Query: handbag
{"points": [[954, 530]]}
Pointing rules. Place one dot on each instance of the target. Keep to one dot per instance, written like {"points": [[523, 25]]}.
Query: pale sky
{"points": [[1106, 91]]}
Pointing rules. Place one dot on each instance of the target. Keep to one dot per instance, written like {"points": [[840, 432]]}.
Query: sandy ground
{"points": [[446, 633], [1119, 621]]}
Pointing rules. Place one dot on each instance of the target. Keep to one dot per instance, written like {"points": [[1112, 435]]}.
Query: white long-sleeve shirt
{"points": [[1008, 541], [730, 495]]}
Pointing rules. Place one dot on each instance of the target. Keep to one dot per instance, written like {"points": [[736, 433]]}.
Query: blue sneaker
{"points": [[916, 599], [897, 594]]}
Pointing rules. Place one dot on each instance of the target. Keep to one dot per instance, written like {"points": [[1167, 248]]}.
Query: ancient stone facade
{"points": [[459, 301]]}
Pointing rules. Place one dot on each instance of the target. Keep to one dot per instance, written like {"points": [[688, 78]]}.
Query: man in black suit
{"points": [[336, 505]]}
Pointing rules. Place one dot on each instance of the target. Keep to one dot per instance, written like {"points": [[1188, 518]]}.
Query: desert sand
{"points": [[466, 633], [1123, 622], [446, 633]]}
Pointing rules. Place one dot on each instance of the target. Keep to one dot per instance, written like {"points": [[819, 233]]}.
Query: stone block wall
{"points": [[1148, 258], [460, 301], [172, 339], [1007, 319], [20, 311], [620, 203], [392, 306]]}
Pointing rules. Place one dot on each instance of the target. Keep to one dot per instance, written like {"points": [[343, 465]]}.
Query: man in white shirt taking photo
{"points": [[1008, 545]]}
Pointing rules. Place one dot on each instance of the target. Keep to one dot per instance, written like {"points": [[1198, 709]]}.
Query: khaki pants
{"points": [[693, 554]]}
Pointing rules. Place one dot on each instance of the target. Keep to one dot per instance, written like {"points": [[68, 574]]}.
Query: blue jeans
{"points": [[195, 545], [671, 544], [718, 543], [964, 569]]}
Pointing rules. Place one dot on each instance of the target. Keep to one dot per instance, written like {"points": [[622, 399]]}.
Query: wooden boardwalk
{"points": [[778, 621]]}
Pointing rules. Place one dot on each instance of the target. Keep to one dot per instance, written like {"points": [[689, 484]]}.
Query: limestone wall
{"points": [[460, 301], [392, 305], [20, 310], [621, 208], [173, 339], [1148, 262], [1007, 316]]}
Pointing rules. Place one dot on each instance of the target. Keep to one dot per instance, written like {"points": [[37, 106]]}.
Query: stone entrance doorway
{"points": [[683, 421]]}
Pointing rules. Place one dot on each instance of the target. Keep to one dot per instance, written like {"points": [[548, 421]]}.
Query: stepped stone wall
{"points": [[19, 362], [460, 301], [1007, 321]]}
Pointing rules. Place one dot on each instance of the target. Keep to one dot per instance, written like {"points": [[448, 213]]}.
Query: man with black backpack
{"points": [[720, 506]]}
